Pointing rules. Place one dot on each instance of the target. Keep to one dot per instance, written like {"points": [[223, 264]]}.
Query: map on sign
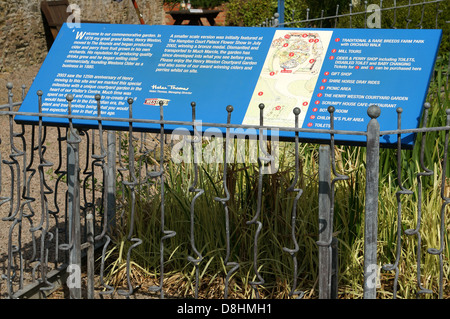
{"points": [[288, 77], [283, 68]]}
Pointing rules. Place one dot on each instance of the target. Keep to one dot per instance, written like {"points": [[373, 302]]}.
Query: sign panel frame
{"points": [[284, 68]]}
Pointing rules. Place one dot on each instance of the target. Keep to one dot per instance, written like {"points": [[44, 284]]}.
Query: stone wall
{"points": [[22, 35]]}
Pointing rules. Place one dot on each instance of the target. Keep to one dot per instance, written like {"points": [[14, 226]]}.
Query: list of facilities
{"points": [[356, 76]]}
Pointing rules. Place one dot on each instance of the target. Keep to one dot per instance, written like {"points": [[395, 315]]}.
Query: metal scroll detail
{"points": [[328, 243], [193, 188], [234, 265], [132, 183], [402, 191], [166, 234], [99, 160], [446, 200], [262, 160], [416, 231], [299, 191], [23, 212]]}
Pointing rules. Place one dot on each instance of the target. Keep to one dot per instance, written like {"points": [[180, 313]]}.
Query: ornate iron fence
{"points": [[58, 208]]}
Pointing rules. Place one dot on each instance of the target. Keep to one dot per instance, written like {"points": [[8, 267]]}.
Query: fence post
{"points": [[371, 204], [281, 9], [324, 222], [111, 179], [73, 206], [90, 256], [73, 209]]}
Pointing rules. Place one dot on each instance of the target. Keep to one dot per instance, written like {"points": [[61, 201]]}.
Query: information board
{"points": [[283, 68]]}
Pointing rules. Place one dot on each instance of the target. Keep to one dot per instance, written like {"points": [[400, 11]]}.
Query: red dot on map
{"points": [[287, 36], [278, 108], [260, 93], [333, 51], [272, 73], [304, 35], [291, 54], [319, 95], [322, 87], [305, 103], [311, 61], [315, 109], [316, 40], [312, 117], [286, 44], [311, 40], [317, 102], [327, 73], [310, 124], [337, 39], [324, 81], [331, 57]]}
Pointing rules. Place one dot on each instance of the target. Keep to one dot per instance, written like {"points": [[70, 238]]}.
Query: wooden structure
{"points": [[54, 14], [194, 16]]}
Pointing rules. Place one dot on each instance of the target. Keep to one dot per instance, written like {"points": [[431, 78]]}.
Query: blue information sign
{"points": [[311, 69]]}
